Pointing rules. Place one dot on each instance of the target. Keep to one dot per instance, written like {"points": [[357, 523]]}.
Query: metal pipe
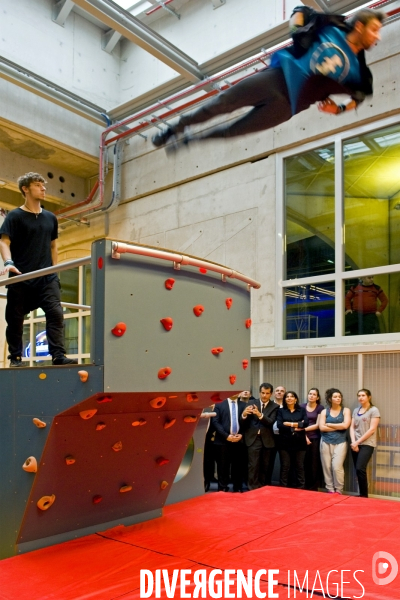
{"points": [[137, 32], [48, 271], [50, 91], [181, 259]]}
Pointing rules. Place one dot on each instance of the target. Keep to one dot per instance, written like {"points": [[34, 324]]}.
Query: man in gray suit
{"points": [[257, 420]]}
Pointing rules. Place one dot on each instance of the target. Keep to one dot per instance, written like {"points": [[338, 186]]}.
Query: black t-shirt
{"points": [[31, 236]]}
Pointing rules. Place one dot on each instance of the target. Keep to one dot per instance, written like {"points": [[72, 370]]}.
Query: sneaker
{"points": [[340, 493], [63, 360], [17, 362], [161, 138], [331, 492]]}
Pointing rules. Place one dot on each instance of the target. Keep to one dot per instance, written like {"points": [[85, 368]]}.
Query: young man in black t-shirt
{"points": [[29, 243]]}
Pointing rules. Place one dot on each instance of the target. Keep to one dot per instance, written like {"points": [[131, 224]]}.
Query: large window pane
{"points": [[71, 335], [26, 340], [309, 311], [310, 214], [86, 321], [372, 198], [372, 305], [70, 286], [87, 284]]}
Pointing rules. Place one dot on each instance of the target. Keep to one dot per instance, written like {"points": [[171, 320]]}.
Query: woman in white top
{"points": [[363, 433]]}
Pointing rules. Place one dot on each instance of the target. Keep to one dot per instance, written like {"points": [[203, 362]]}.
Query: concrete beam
{"points": [[134, 30], [61, 11]]}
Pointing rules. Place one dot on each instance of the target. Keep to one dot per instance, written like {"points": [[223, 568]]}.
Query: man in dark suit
{"points": [[257, 422], [228, 441]]}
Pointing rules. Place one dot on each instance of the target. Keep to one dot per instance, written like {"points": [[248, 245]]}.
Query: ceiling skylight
{"points": [[135, 8]]}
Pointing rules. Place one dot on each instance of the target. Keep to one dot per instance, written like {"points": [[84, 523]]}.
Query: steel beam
{"points": [[134, 30]]}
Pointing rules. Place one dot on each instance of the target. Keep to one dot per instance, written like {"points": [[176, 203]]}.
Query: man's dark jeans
{"points": [[22, 299]]}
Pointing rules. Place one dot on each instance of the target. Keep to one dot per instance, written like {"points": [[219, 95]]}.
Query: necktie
{"points": [[234, 418]]}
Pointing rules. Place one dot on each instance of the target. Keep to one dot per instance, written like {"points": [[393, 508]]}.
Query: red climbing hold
{"points": [[104, 399], [100, 426], [139, 423], [203, 270], [162, 461], [169, 283], [100, 262], [169, 423], [215, 399], [167, 323], [117, 447], [164, 372], [97, 499], [217, 351], [228, 303], [164, 485], [232, 379], [245, 363], [192, 397], [198, 310], [248, 323], [119, 329], [190, 419], [157, 402]]}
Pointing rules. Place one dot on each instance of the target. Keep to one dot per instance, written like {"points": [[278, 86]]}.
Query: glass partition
{"points": [[366, 207], [310, 213], [372, 304], [371, 166], [309, 311]]}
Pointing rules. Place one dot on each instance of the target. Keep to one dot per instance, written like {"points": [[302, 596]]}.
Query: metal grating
{"points": [[382, 377], [288, 372]]}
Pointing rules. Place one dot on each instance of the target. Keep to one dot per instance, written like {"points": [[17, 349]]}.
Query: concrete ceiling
{"points": [[32, 145]]}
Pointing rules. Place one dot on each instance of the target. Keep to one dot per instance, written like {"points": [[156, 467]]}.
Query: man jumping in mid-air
{"points": [[327, 57]]}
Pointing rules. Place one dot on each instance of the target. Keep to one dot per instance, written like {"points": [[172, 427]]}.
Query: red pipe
{"points": [[158, 7], [83, 203]]}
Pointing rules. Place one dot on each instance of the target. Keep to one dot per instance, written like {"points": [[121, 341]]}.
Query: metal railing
{"points": [[182, 259], [86, 260]]}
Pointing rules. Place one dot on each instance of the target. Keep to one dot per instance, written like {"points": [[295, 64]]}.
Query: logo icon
{"points": [[380, 565], [330, 60]]}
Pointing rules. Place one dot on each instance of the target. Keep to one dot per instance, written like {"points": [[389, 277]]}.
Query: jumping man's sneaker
{"points": [[161, 138], [63, 360], [17, 362]]}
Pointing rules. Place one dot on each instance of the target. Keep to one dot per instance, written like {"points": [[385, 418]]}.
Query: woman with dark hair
{"points": [[333, 423], [363, 428], [312, 463], [292, 420]]}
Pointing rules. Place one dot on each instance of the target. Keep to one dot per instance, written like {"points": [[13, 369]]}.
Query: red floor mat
{"points": [[270, 528]]}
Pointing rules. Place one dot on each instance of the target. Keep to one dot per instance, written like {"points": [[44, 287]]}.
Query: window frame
{"points": [[340, 275]]}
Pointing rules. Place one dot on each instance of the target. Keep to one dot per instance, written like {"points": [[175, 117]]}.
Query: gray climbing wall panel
{"points": [[113, 445]]}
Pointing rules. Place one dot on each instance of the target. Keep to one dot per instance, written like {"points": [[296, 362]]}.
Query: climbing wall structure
{"points": [[86, 448]]}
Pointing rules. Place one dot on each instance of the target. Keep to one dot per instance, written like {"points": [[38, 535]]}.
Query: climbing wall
{"points": [[86, 448]]}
